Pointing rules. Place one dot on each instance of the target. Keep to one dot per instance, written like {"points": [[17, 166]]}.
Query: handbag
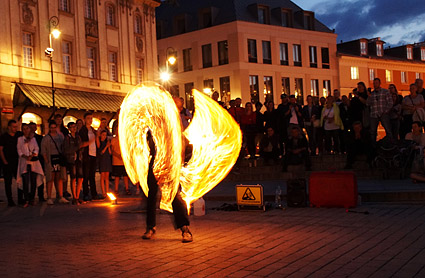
{"points": [[62, 158]]}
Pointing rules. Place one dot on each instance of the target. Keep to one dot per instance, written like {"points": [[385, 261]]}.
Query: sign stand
{"points": [[250, 197]]}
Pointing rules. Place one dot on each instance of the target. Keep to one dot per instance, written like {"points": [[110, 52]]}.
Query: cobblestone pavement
{"points": [[101, 240]]}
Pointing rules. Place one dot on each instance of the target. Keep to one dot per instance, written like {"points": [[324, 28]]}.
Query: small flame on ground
{"points": [[111, 196]]}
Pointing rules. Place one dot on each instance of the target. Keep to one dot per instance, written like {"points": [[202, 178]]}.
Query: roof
{"points": [[227, 11], [28, 94]]}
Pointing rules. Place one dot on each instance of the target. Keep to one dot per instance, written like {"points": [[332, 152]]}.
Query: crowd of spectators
{"points": [[77, 151], [290, 133]]}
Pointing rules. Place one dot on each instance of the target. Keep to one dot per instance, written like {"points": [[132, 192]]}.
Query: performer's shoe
{"points": [[149, 233], [186, 234]]}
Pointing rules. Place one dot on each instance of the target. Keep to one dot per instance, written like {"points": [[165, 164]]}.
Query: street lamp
{"points": [[170, 60], [54, 33]]}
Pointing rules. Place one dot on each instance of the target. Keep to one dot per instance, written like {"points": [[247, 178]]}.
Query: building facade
{"points": [[366, 59], [105, 47], [248, 49]]}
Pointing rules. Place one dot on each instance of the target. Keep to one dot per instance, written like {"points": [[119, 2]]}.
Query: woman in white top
{"points": [[332, 124], [30, 173]]}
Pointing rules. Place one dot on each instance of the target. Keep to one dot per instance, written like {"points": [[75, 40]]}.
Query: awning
{"points": [[27, 94]]}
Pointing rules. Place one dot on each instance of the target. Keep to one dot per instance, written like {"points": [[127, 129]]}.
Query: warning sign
{"points": [[249, 195]]}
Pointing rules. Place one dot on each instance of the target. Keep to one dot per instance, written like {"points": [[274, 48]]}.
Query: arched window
{"points": [[110, 15], [68, 119], [33, 118], [138, 24]]}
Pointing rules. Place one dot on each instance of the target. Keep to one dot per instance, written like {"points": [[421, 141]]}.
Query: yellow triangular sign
{"points": [[248, 195]]}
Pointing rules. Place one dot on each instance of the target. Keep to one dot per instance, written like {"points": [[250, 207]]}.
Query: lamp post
{"points": [[53, 33], [170, 60]]}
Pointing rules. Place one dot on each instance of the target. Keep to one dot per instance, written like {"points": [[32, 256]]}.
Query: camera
{"points": [[48, 51]]}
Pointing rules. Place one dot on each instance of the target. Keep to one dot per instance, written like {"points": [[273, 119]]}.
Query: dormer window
{"points": [[363, 48], [309, 21], [263, 15], [286, 18], [379, 49], [180, 24], [205, 18], [423, 54], [409, 52]]}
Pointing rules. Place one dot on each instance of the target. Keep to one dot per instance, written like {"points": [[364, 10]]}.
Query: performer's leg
{"points": [[151, 206], [181, 217]]}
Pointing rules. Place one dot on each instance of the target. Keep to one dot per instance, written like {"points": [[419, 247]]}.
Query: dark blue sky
{"points": [[395, 21]]}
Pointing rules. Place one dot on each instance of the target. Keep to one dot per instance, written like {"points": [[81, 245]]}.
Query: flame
{"points": [[111, 196], [214, 134]]}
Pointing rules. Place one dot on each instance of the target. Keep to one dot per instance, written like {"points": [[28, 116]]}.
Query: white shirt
{"points": [[329, 114], [92, 146], [294, 118]]}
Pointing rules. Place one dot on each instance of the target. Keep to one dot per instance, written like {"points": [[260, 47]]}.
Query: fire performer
{"points": [[179, 206]]}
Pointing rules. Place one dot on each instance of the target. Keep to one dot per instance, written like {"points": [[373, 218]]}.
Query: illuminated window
{"points": [[284, 54], [379, 49], [252, 51], [297, 55], [268, 88], [299, 91], [33, 118], [403, 77], [371, 74], [326, 87], [363, 48], [409, 53], [418, 75], [354, 73], [313, 57], [423, 54], [286, 88], [314, 87], [66, 56], [253, 88], [388, 75], [28, 48]]}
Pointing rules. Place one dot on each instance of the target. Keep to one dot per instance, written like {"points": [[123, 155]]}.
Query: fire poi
{"points": [[214, 134]]}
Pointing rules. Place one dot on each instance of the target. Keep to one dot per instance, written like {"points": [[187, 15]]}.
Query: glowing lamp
{"points": [[172, 60], [207, 91], [56, 33], [165, 76]]}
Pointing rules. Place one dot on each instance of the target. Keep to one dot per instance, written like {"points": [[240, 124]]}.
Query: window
{"points": [[423, 54], [325, 58], [403, 77], [89, 9], [299, 91], [66, 56], [187, 63], [206, 56], [188, 87], [267, 55], [252, 51], [409, 53], [27, 47], [297, 55], [354, 73], [388, 75], [379, 49], [263, 15], [371, 74], [112, 57], [208, 86], [286, 19], [139, 70], [110, 15], [283, 54], [205, 19], [91, 61], [314, 87], [225, 89], [64, 5], [253, 88], [418, 75], [308, 22], [363, 48], [286, 86], [138, 24], [313, 57], [326, 87], [268, 88], [223, 53]]}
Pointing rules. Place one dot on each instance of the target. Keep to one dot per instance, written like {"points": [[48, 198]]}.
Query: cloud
{"points": [[393, 20]]}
